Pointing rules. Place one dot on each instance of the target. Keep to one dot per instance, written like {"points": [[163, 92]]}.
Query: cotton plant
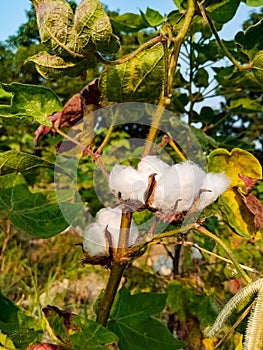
{"points": [[169, 191]]}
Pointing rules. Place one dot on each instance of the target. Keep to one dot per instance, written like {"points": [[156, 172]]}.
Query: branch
{"points": [[209, 234]]}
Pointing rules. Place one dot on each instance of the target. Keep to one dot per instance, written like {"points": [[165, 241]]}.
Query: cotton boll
{"points": [[163, 265], [216, 184], [112, 219], [196, 254], [94, 242], [150, 165], [190, 179], [167, 191], [128, 182]]}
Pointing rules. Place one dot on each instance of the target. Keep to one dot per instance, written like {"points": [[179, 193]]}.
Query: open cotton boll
{"points": [[94, 242], [128, 182], [190, 179], [216, 184], [150, 165], [163, 265], [167, 191], [112, 219]]}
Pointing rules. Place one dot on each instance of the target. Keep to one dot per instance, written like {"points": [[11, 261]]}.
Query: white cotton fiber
{"points": [[167, 191], [112, 218], [189, 181], [128, 182], [94, 242], [94, 234], [152, 165], [163, 265], [216, 184]]}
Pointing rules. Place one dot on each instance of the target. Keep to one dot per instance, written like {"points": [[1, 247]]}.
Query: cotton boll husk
{"points": [[94, 242], [190, 179], [217, 184], [128, 182], [112, 219], [151, 165]]}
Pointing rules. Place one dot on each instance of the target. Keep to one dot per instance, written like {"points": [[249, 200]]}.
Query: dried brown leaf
{"points": [[256, 208]]}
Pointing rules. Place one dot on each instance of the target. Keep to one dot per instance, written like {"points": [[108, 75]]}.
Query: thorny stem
{"points": [[209, 234], [167, 87], [117, 270]]}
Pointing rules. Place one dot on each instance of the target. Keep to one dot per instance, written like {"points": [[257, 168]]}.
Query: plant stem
{"points": [[168, 79], [126, 58], [117, 269], [209, 234], [224, 48], [107, 299], [178, 40]]}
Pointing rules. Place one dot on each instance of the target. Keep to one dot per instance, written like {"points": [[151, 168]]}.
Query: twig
{"points": [[209, 234]]}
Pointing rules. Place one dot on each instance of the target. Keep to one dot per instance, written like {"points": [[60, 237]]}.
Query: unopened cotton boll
{"points": [[190, 178], [128, 182], [216, 184]]}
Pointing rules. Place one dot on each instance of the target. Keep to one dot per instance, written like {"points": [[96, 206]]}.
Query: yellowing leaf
{"points": [[237, 214], [6, 343], [209, 343], [235, 163]]}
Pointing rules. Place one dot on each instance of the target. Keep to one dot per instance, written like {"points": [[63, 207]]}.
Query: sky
{"points": [[13, 13]]}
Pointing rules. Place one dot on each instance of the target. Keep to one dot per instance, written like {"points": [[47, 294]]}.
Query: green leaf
{"points": [[77, 332], [131, 320], [253, 3], [15, 161], [21, 330], [129, 23], [50, 66], [138, 80], [30, 103], [251, 41], [235, 163], [55, 21], [38, 214], [68, 35], [92, 29], [177, 299], [201, 78], [152, 17], [257, 65], [222, 11], [245, 104]]}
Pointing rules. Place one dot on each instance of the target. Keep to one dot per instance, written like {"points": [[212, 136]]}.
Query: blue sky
{"points": [[13, 13]]}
